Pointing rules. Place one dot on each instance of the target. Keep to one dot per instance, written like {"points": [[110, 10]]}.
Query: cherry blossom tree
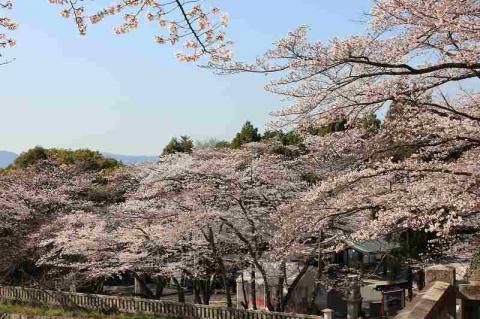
{"points": [[29, 198], [199, 30], [200, 216], [43, 186], [6, 26], [419, 61], [417, 173], [412, 49], [226, 199]]}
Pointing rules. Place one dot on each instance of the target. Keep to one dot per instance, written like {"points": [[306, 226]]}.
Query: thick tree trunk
{"points": [[244, 303], [280, 284], [318, 285], [196, 292], [293, 285], [318, 275], [254, 252], [253, 288], [228, 293], [268, 290], [161, 282], [180, 290], [223, 271], [206, 292]]}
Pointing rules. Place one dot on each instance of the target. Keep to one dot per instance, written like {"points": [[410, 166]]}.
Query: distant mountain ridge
{"points": [[130, 159], [7, 158]]}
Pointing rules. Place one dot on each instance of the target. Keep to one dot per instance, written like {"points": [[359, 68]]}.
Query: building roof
{"points": [[373, 246]]}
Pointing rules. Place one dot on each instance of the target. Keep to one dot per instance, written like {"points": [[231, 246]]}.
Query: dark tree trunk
{"points": [[254, 251], [180, 290], [244, 303], [253, 288], [223, 271], [293, 285], [268, 291], [196, 292], [318, 275], [161, 283], [280, 284], [206, 292], [318, 285]]}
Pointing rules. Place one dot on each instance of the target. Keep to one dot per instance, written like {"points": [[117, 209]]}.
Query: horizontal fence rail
{"points": [[132, 305]]}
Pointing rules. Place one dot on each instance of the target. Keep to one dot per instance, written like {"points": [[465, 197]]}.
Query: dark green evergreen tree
{"points": [[247, 134], [289, 138], [184, 145]]}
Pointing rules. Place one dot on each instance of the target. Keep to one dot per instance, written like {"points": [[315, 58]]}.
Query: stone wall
{"points": [[438, 300]]}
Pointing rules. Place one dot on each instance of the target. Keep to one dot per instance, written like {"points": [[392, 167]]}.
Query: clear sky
{"points": [[127, 95]]}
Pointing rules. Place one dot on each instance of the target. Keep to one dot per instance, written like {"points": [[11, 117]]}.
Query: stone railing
{"points": [[104, 303], [438, 299]]}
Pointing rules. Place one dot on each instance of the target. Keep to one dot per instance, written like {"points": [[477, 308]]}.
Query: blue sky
{"points": [[127, 95]]}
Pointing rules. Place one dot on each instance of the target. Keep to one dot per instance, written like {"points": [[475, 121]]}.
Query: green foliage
{"points": [[85, 158], [247, 134], [337, 126], [212, 143], [30, 157], [289, 138], [184, 145], [310, 178], [413, 243], [369, 123], [397, 152], [222, 144]]}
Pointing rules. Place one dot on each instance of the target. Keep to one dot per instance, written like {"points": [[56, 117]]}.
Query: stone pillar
{"points": [[446, 274], [354, 300], [328, 313], [72, 283], [440, 273], [137, 290], [420, 279], [470, 296]]}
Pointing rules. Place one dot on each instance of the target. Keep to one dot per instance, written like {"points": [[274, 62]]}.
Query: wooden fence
{"points": [[111, 304]]}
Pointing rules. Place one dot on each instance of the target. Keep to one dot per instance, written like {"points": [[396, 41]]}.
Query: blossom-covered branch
{"points": [[199, 30], [413, 50], [6, 25]]}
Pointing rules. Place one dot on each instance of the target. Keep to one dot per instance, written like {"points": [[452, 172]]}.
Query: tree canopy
{"points": [[88, 158], [182, 145], [247, 134]]}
